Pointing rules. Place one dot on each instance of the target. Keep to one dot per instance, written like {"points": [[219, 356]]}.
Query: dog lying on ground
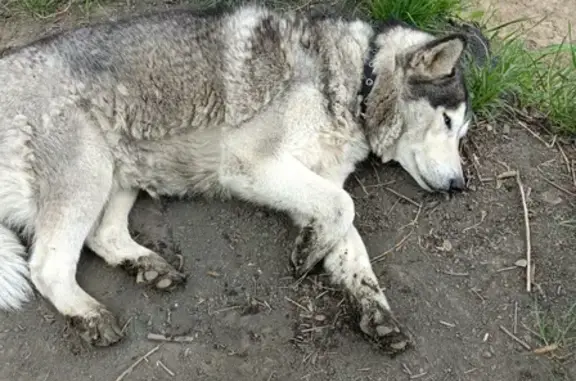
{"points": [[272, 108]]}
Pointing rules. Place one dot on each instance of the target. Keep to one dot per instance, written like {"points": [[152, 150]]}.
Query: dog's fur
{"points": [[247, 103]]}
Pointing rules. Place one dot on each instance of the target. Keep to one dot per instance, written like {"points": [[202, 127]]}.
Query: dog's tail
{"points": [[15, 287]]}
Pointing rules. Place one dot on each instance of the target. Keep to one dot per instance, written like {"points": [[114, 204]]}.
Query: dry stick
{"points": [[523, 125], [554, 184], [379, 257], [527, 227], [161, 365], [566, 161], [515, 326], [361, 185], [573, 170], [516, 339], [398, 194], [173, 339], [133, 366]]}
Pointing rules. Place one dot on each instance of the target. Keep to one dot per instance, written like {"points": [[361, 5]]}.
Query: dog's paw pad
{"points": [[382, 329], [154, 270], [101, 329]]}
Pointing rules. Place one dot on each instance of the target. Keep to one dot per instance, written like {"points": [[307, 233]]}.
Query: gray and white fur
{"points": [[247, 103]]}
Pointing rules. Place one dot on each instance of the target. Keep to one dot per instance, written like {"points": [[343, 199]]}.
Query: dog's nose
{"points": [[457, 184]]}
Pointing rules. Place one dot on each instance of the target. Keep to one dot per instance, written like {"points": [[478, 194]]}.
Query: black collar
{"points": [[369, 76]]}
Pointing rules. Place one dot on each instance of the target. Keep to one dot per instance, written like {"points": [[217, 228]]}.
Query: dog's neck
{"points": [[369, 75]]}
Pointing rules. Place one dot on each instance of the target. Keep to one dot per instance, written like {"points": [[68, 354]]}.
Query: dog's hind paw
{"points": [[101, 329], [154, 270], [383, 330]]}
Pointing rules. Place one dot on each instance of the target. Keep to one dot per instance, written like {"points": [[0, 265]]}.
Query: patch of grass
{"points": [[50, 8], [42, 8], [556, 329], [425, 14]]}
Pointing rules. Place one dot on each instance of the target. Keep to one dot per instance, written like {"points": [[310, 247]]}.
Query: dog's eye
{"points": [[447, 121]]}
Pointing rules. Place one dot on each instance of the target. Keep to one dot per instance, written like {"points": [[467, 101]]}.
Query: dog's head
{"points": [[418, 109]]}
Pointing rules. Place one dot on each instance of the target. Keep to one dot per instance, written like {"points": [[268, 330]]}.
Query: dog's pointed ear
{"points": [[438, 58]]}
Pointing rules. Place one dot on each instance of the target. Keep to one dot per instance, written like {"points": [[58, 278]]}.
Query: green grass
{"points": [[518, 78], [423, 13], [555, 329]]}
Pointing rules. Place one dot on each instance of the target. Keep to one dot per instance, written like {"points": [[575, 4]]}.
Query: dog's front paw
{"points": [[379, 325], [154, 270], [101, 329]]}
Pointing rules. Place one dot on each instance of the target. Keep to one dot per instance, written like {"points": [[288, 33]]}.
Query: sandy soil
{"points": [[449, 273], [549, 20]]}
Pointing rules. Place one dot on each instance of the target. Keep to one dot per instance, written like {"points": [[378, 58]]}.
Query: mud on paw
{"points": [[382, 329], [101, 329]]}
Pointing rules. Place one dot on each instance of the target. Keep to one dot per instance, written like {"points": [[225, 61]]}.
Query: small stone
{"points": [[506, 129], [521, 263], [320, 317], [446, 245], [551, 197], [487, 354]]}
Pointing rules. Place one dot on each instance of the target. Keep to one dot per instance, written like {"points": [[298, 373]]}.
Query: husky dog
{"points": [[272, 108]]}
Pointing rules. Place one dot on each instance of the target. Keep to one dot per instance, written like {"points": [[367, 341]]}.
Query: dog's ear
{"points": [[437, 59]]}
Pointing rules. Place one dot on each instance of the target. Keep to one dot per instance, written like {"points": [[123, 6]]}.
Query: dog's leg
{"points": [[349, 266], [324, 210], [111, 240], [69, 206]]}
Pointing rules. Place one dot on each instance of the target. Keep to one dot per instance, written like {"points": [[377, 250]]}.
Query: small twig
{"points": [[125, 326], [472, 158], [573, 170], [161, 365], [297, 304], [133, 366], [502, 176], [554, 184], [506, 269], [455, 274], [532, 332], [545, 349], [450, 325], [515, 326], [173, 339], [361, 185], [180, 262], [565, 158], [406, 198], [515, 338], [527, 229], [483, 215], [416, 376], [224, 310], [379, 257], [315, 329], [523, 125]]}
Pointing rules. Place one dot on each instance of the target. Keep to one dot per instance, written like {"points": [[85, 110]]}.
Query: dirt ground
{"points": [[448, 269]]}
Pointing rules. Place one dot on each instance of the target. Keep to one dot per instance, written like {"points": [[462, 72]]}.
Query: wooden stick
{"points": [[133, 366], [516, 339], [527, 229]]}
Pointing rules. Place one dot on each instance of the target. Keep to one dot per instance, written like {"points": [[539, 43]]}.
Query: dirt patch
{"points": [[539, 33], [448, 267]]}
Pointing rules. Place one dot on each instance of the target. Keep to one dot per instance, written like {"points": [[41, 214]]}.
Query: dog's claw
{"points": [[154, 270], [100, 330], [382, 329]]}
